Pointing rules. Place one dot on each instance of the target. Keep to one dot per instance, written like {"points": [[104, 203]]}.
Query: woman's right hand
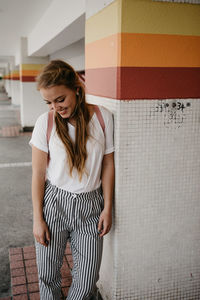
{"points": [[41, 232]]}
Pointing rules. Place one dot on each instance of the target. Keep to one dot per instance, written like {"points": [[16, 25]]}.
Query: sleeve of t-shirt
{"points": [[39, 135], [109, 134]]}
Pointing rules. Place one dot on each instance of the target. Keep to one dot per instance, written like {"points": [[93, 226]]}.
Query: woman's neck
{"points": [[72, 120]]}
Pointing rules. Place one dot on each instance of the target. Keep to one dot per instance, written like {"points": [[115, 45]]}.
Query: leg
{"points": [[87, 253], [49, 262]]}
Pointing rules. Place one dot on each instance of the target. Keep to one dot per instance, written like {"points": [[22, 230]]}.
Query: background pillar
{"points": [[7, 79], [142, 63], [15, 86], [31, 103]]}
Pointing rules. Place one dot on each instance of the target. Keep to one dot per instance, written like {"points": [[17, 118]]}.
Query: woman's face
{"points": [[60, 98]]}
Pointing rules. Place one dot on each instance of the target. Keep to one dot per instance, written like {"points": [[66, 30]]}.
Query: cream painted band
{"points": [[146, 16], [31, 66]]}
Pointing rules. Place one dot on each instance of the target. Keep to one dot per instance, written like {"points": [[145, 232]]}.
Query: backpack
{"points": [[50, 124]]}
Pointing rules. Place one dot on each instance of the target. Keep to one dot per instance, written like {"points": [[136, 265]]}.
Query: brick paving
{"points": [[13, 131], [24, 278]]}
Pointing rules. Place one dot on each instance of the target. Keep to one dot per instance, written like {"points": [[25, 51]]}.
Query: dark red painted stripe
{"points": [[27, 78], [126, 83]]}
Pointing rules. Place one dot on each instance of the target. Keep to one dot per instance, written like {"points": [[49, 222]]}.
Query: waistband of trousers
{"points": [[86, 195]]}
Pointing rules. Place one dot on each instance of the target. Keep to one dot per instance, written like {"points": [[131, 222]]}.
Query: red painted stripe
{"points": [[27, 78], [102, 82], [128, 83]]}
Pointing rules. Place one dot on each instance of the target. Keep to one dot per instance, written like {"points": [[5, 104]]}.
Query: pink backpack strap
{"points": [[100, 117], [49, 129]]}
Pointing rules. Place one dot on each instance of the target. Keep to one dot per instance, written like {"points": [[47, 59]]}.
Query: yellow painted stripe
{"points": [[144, 16], [148, 16], [30, 72], [31, 66], [144, 50]]}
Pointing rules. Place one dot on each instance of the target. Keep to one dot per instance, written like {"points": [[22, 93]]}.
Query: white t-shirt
{"points": [[98, 144]]}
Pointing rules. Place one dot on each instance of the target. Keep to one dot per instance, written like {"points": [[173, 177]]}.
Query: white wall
{"points": [[25, 58], [73, 54], [15, 85], [32, 104], [8, 87]]}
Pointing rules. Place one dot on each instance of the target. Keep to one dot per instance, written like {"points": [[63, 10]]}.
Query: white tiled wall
{"points": [[153, 250]]}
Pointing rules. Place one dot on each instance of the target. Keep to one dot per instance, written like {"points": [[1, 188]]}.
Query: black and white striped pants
{"points": [[75, 217]]}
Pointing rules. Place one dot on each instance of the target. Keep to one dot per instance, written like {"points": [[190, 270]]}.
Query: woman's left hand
{"points": [[105, 222]]}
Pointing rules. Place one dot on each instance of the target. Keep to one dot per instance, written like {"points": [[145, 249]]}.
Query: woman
{"points": [[72, 183]]}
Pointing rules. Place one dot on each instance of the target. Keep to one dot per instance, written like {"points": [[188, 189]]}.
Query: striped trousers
{"points": [[74, 217]]}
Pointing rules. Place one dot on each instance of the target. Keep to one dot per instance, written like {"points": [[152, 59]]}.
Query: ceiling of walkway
{"points": [[17, 19]]}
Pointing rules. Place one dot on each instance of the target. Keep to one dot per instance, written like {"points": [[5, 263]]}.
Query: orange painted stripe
{"points": [[29, 72], [160, 50], [144, 50], [129, 83]]}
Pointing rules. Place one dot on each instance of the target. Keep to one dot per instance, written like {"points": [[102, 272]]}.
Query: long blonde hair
{"points": [[58, 72]]}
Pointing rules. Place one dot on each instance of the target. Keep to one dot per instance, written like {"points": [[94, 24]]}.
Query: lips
{"points": [[62, 112]]}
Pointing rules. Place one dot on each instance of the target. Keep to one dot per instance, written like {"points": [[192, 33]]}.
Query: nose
{"points": [[54, 105]]}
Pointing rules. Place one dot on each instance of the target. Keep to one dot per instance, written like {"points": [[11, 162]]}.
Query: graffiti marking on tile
{"points": [[173, 112]]}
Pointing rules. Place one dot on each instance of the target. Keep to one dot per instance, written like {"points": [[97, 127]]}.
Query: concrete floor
{"points": [[15, 192]]}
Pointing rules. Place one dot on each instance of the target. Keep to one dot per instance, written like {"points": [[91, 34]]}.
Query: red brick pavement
{"points": [[24, 278], [12, 131]]}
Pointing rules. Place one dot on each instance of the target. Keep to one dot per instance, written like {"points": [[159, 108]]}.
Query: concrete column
{"points": [[7, 80], [142, 63], [15, 86], [31, 104], [1, 78]]}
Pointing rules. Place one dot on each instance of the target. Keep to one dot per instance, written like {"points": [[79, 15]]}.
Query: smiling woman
{"points": [[72, 193], [60, 86]]}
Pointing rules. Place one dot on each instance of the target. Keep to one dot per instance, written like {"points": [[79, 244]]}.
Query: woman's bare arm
{"points": [[107, 178], [39, 164]]}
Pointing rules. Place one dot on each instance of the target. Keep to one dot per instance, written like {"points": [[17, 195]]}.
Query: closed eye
{"points": [[61, 100], [47, 102], [56, 101]]}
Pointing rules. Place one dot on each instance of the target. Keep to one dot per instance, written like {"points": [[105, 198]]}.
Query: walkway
{"points": [[15, 189]]}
